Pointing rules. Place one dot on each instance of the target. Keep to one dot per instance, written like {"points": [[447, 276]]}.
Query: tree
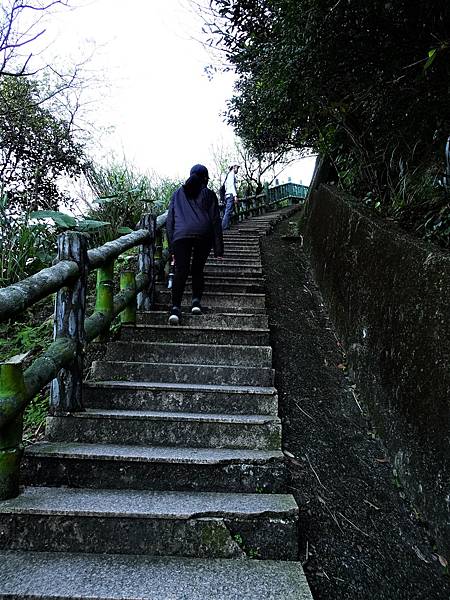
{"points": [[256, 169], [124, 194], [37, 148], [21, 24], [365, 83]]}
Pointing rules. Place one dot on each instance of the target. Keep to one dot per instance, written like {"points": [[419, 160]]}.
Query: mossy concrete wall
{"points": [[389, 297]]}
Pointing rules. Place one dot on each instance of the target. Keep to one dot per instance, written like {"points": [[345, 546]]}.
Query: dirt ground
{"points": [[359, 536]]}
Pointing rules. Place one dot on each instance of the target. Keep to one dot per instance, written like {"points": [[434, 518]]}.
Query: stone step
{"points": [[238, 254], [234, 262], [204, 354], [189, 334], [72, 464], [148, 428], [186, 373], [225, 286], [180, 397], [207, 320], [223, 270], [249, 248], [67, 576], [231, 299], [186, 308], [194, 524], [236, 234]]}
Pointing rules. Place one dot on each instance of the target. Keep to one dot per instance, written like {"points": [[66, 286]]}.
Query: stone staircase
{"points": [[175, 469]]}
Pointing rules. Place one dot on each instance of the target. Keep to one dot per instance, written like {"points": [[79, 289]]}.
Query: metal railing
{"points": [[269, 199], [62, 363]]}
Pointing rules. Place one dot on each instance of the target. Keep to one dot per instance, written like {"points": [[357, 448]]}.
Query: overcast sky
{"points": [[164, 111]]}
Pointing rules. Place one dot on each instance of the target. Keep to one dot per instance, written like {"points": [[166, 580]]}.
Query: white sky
{"points": [[164, 111]]}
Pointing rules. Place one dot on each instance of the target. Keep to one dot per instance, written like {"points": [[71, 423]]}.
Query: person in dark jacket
{"points": [[193, 229]]}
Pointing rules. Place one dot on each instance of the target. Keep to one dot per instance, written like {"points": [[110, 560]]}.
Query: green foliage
{"points": [[37, 147], [365, 84], [63, 221], [22, 337], [25, 247], [32, 334], [35, 414], [124, 195]]}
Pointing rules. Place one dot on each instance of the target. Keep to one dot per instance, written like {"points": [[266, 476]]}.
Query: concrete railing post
{"points": [[70, 309], [146, 262], [128, 282]]}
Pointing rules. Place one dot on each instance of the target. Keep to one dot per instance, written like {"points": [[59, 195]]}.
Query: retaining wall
{"points": [[389, 297]]}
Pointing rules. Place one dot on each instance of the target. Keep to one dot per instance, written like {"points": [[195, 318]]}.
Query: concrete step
{"points": [[186, 308], [180, 397], [186, 373], [196, 334], [232, 271], [215, 320], [235, 234], [109, 466], [234, 262], [232, 299], [193, 524], [205, 354], [238, 254], [67, 576], [249, 248], [240, 279], [147, 428], [212, 287]]}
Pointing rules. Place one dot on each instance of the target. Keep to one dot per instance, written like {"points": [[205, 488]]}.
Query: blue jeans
{"points": [[229, 205]]}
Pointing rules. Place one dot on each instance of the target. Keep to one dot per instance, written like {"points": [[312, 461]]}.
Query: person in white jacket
{"points": [[231, 197]]}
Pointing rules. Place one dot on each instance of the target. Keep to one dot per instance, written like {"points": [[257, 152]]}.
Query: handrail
{"points": [[19, 296], [59, 354], [258, 204], [62, 362]]}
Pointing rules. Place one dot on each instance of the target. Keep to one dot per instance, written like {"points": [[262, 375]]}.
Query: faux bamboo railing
{"points": [[62, 362]]}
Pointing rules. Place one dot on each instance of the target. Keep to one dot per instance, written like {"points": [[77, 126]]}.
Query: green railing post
{"points": [[70, 310], [146, 262], [128, 282], [12, 388], [104, 302]]}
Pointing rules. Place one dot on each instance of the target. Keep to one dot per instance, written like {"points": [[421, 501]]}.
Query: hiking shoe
{"points": [[175, 316], [196, 308]]}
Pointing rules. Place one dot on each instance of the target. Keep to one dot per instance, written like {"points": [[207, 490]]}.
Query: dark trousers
{"points": [[183, 250]]}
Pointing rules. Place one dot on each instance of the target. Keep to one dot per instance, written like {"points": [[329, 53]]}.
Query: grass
{"points": [[30, 335]]}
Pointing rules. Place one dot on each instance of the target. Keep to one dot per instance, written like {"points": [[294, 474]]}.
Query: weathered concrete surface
{"points": [[190, 332], [80, 465], [225, 320], [204, 354], [117, 577], [203, 524], [243, 300], [207, 374], [172, 397], [167, 429], [388, 295]]}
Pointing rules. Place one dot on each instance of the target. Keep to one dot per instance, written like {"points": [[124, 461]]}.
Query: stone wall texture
{"points": [[389, 297]]}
